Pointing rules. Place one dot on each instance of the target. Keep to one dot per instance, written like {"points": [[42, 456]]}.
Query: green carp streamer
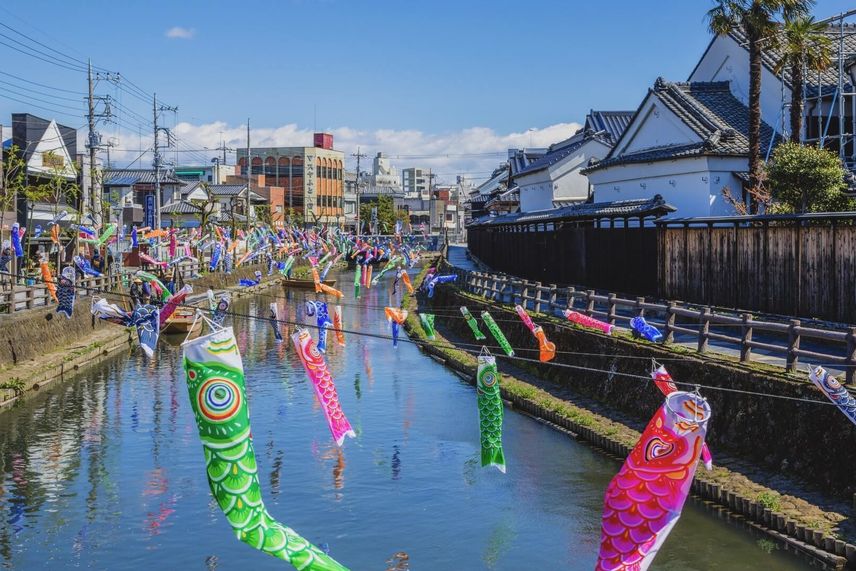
{"points": [[427, 320], [490, 412], [471, 321], [497, 333], [215, 383], [357, 278]]}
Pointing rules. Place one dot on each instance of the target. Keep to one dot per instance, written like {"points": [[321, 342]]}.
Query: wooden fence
{"points": [[740, 332], [616, 259], [793, 267], [20, 298]]}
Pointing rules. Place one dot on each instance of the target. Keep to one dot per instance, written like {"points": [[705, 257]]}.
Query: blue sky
{"points": [[420, 73]]}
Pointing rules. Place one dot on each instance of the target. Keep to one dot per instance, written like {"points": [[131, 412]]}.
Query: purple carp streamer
{"points": [[145, 318], [833, 390], [274, 322], [642, 328], [65, 292], [644, 500]]}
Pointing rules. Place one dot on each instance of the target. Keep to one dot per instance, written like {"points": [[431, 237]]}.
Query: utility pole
{"points": [[249, 174], [158, 160], [93, 141], [359, 156], [157, 163], [92, 202]]}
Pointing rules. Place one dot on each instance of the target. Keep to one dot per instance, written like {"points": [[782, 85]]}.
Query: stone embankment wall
{"points": [[803, 440], [28, 335]]}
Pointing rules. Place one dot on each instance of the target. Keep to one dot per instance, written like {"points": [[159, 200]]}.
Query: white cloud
{"points": [[179, 33], [473, 152]]}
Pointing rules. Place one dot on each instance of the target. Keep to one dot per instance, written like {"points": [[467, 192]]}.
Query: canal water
{"points": [[107, 472]]}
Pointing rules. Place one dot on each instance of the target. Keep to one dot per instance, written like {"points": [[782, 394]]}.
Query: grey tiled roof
{"points": [[226, 189], [711, 111], [552, 157], [613, 123], [646, 207], [129, 177], [180, 207]]}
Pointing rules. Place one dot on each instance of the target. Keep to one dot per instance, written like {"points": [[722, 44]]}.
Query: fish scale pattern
{"points": [[490, 413], [215, 383]]}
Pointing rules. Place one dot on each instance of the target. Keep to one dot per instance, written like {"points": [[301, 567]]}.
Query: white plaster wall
{"points": [[536, 196], [693, 186], [656, 126], [51, 143], [561, 180]]}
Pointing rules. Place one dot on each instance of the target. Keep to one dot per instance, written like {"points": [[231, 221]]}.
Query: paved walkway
{"points": [[458, 256]]}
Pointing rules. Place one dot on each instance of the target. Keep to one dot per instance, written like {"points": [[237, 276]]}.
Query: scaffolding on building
{"points": [[825, 102]]}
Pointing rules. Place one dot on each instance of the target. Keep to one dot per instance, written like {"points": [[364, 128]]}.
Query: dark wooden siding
{"points": [[616, 259], [801, 270]]}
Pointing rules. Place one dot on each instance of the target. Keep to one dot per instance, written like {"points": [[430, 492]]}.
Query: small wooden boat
{"points": [[305, 284], [181, 322]]}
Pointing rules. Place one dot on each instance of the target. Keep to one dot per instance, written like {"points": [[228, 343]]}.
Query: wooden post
{"points": [[571, 298], [640, 311], [553, 295], [31, 296], [610, 316], [589, 302], [670, 322], [793, 344], [704, 330], [850, 358], [746, 339], [524, 294], [537, 297]]}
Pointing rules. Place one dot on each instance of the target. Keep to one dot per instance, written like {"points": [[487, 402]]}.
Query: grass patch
{"points": [[770, 500]]}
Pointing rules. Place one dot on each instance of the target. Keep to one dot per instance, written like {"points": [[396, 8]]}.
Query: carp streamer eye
{"points": [[219, 399]]}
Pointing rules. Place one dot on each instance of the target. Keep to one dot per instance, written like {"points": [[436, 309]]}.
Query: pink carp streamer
{"points": [[586, 321], [322, 382], [173, 302], [547, 349], [667, 386], [149, 260], [644, 500]]}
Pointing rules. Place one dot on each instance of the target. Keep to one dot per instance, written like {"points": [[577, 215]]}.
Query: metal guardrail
{"points": [[673, 316]]}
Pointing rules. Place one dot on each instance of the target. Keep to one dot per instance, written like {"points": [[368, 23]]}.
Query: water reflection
{"points": [[107, 472]]}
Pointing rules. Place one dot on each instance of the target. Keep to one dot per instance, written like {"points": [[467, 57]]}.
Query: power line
{"points": [[31, 104], [48, 59], [72, 61], [82, 94]]}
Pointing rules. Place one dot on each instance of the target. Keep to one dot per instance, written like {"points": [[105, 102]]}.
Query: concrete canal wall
{"points": [[39, 346], [812, 442]]}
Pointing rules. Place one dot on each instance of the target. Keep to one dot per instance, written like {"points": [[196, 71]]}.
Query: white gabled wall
{"points": [[561, 180], [726, 60], [51, 143], [692, 185], [656, 126]]}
